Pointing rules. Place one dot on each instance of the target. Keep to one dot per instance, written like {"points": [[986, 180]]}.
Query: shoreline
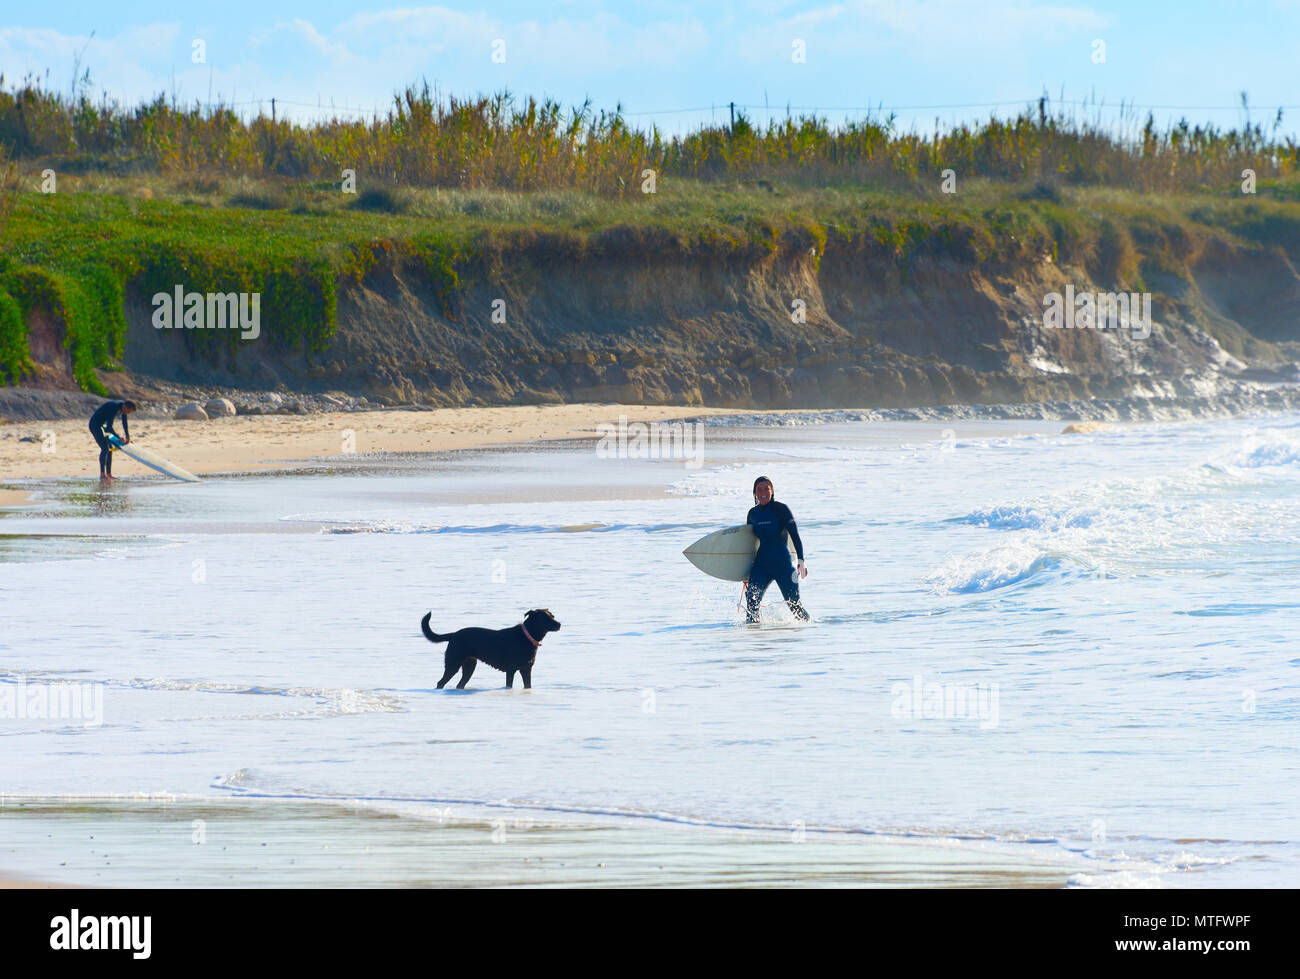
{"points": [[274, 441], [256, 842], [245, 443]]}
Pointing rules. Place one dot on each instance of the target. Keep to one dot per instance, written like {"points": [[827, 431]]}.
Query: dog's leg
{"points": [[466, 671], [451, 672], [510, 679], [450, 663], [527, 673]]}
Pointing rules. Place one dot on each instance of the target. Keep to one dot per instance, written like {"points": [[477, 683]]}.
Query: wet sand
{"points": [[272, 843], [13, 498], [254, 442]]}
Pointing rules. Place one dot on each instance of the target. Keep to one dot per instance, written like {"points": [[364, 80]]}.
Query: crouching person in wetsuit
{"points": [[101, 426], [772, 522]]}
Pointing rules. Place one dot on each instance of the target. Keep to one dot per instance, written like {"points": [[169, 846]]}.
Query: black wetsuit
{"points": [[101, 426], [772, 524]]}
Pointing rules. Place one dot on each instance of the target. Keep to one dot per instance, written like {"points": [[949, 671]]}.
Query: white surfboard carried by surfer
{"points": [[726, 554], [153, 460]]}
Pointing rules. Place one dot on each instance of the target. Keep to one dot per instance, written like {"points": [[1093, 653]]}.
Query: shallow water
{"points": [[1082, 645], [267, 843]]}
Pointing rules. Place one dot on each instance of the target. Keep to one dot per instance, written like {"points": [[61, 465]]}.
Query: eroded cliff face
{"points": [[639, 316]]}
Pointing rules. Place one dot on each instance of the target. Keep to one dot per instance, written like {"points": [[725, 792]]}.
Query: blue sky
{"points": [[663, 55]]}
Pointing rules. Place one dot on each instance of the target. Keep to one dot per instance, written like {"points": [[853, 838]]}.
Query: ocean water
{"points": [[1079, 648]]}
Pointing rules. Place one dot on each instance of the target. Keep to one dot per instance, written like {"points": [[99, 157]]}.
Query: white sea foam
{"points": [[1275, 451], [999, 567]]}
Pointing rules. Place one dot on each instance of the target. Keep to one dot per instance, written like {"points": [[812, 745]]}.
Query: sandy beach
{"points": [[254, 442], [15, 884]]}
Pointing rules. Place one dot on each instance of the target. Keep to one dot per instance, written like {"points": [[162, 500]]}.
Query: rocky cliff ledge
{"points": [[637, 315]]}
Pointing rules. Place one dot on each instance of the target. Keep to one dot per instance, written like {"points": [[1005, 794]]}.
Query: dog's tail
{"points": [[429, 634]]}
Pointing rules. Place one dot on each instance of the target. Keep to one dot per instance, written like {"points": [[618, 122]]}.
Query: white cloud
{"points": [[431, 23], [999, 23], [132, 64], [924, 31]]}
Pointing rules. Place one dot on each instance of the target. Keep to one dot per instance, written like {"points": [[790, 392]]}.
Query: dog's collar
{"points": [[535, 642]]}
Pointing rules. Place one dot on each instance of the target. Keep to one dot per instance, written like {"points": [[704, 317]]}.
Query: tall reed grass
{"points": [[499, 141]]}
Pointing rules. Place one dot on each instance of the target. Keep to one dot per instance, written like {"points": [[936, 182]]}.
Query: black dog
{"points": [[509, 650]]}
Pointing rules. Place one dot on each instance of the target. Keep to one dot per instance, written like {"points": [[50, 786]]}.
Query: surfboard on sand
{"points": [[726, 554], [153, 460]]}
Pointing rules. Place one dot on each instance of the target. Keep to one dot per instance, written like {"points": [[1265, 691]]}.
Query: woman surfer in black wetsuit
{"points": [[101, 426], [772, 523]]}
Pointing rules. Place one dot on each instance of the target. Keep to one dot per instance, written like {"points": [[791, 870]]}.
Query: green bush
{"points": [[15, 356]]}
